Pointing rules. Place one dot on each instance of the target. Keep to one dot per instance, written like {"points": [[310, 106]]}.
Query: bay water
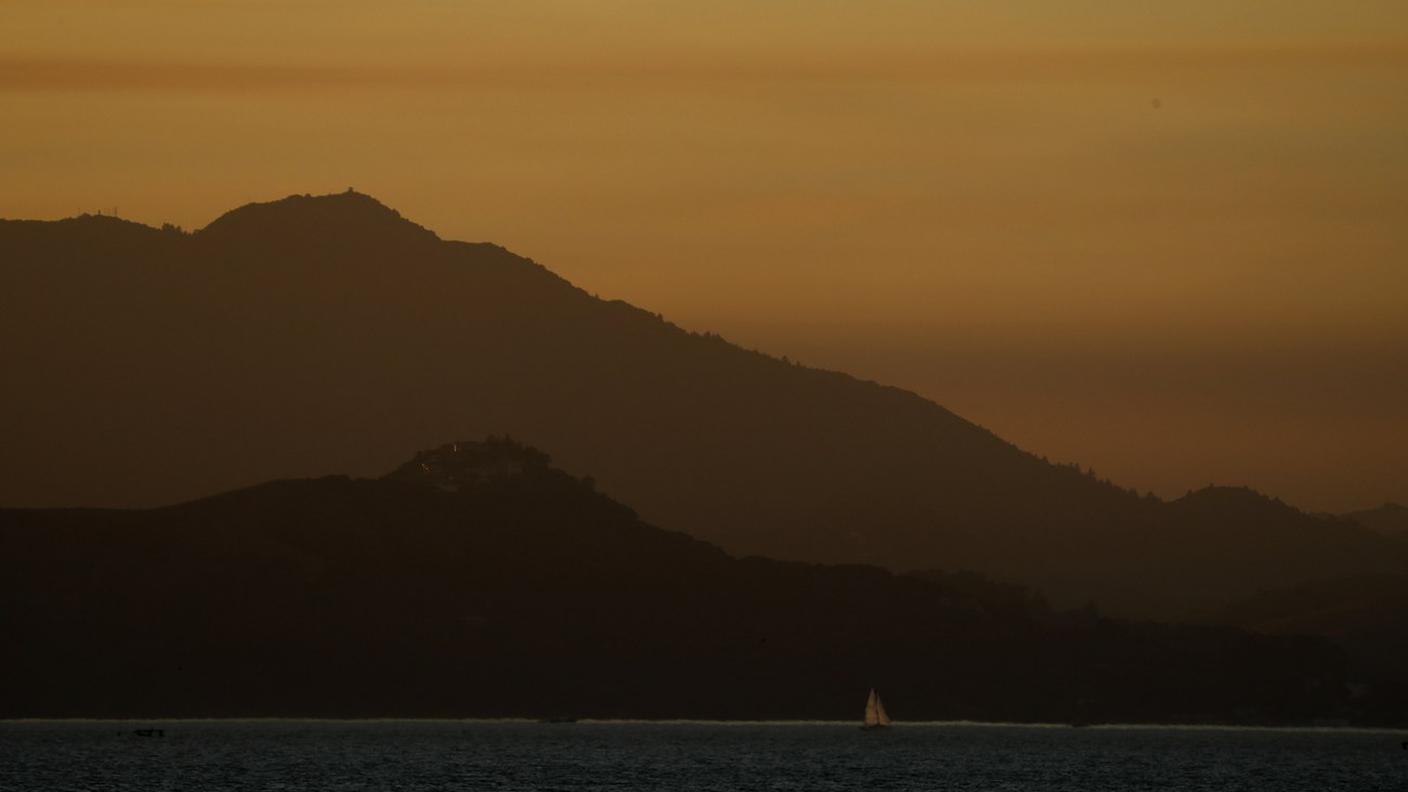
{"points": [[419, 755]]}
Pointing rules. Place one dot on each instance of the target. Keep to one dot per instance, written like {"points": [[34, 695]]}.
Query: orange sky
{"points": [[1168, 244]]}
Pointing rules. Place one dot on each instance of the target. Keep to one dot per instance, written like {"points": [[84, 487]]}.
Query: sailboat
{"points": [[875, 717]]}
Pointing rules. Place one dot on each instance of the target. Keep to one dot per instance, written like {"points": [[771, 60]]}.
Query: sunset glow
{"points": [[1167, 245]]}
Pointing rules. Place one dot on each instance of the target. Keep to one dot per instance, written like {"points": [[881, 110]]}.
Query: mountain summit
{"points": [[465, 465], [327, 333], [309, 216]]}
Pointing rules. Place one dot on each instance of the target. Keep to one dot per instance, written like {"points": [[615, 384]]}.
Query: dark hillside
{"points": [[1390, 519], [477, 580], [328, 333]]}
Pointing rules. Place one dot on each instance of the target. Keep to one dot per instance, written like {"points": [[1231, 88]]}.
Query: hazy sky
{"points": [[1169, 241]]}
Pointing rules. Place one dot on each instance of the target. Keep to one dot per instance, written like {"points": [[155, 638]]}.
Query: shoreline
{"points": [[728, 723]]}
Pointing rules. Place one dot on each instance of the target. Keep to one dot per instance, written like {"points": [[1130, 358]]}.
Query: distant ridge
{"points": [[478, 580], [305, 216], [328, 333], [1390, 519]]}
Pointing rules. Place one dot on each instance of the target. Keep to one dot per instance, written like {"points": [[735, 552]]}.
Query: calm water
{"points": [[447, 755]]}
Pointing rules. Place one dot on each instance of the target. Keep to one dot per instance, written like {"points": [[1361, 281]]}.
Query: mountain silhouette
{"points": [[310, 334], [478, 580], [1365, 615], [1390, 519]]}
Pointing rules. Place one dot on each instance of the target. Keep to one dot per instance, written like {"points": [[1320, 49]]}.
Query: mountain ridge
{"points": [[398, 596], [1389, 519], [300, 339]]}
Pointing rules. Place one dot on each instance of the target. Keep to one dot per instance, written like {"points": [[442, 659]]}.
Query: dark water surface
{"points": [[445, 755]]}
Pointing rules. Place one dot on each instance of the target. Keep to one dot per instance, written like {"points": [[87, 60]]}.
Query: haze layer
{"points": [[1168, 244]]}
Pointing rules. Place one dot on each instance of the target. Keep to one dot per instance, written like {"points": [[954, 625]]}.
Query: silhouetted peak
{"points": [[1392, 508], [1390, 519], [90, 228], [87, 220], [456, 466], [1241, 500], [347, 214]]}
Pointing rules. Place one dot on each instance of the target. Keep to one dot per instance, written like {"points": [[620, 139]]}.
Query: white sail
{"points": [[873, 712], [881, 719]]}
